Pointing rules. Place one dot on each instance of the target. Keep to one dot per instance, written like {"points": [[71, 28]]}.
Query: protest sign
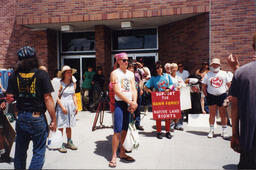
{"points": [[166, 105]]}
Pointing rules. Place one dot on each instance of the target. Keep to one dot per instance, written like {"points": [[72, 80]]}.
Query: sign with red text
{"points": [[166, 105]]}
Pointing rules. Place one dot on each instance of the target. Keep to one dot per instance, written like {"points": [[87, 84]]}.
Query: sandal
{"points": [[127, 158], [112, 164]]}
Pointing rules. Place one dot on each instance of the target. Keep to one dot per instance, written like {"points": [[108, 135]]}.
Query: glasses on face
{"points": [[125, 60], [158, 67]]}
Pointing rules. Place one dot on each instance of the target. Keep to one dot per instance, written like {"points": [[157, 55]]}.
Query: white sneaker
{"points": [[224, 134], [210, 135]]}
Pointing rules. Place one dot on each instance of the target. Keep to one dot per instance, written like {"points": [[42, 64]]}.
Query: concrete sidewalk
{"points": [[188, 149]]}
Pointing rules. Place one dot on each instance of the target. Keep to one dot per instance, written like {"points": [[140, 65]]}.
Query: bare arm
{"points": [[50, 107], [204, 87], [235, 124], [74, 99]]}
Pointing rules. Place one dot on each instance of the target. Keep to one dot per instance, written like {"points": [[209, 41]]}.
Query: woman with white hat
{"points": [[214, 85], [66, 106]]}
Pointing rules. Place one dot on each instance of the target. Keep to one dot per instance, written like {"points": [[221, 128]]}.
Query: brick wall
{"points": [[185, 41], [57, 11], [7, 21], [232, 25], [22, 36]]}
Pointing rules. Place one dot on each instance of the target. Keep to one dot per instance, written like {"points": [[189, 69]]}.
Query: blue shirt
{"points": [[160, 83]]}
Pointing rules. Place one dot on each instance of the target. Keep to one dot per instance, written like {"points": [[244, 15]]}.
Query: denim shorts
{"points": [[218, 100], [121, 116]]}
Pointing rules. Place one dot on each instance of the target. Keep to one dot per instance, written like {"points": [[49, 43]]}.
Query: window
{"points": [[134, 39], [82, 41]]}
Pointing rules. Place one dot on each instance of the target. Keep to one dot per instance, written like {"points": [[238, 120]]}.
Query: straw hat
{"points": [[66, 68]]}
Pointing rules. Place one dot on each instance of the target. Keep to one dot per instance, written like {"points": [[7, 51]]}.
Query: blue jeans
{"points": [[30, 128]]}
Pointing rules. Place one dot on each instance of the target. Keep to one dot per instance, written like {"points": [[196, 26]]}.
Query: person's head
{"points": [[27, 59], [167, 68], [174, 69], [67, 72], [90, 68], [122, 60], [141, 61], [43, 68], [131, 67], [254, 42], [215, 65], [157, 69], [180, 67], [99, 70]]}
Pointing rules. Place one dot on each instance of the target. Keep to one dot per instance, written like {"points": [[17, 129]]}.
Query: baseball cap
{"points": [[215, 61]]}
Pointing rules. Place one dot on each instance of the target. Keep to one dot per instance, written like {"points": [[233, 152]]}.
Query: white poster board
{"points": [[185, 99], [198, 120]]}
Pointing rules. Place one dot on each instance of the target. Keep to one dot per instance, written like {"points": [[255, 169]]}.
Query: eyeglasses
{"points": [[125, 60], [158, 67]]}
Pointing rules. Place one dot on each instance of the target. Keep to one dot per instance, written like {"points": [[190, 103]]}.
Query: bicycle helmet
{"points": [[26, 52]]}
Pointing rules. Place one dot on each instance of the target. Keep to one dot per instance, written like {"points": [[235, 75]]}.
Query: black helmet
{"points": [[26, 52]]}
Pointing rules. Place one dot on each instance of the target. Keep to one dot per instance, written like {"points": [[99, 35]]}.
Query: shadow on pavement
{"points": [[230, 166], [148, 134], [104, 148], [203, 134], [162, 127]]}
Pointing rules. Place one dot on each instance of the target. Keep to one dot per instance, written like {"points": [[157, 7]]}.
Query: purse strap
{"points": [[63, 91]]}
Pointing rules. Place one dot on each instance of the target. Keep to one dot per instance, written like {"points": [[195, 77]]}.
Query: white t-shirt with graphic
{"points": [[216, 82], [124, 83]]}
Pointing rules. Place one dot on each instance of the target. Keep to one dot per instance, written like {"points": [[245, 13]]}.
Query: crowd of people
{"points": [[131, 83]]}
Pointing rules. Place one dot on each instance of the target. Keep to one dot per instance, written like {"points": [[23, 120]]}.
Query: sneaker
{"points": [[224, 134], [168, 135], [210, 135], [139, 128], [71, 146], [159, 135], [62, 149], [171, 130]]}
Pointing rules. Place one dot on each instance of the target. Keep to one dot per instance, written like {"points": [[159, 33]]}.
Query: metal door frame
{"points": [[80, 57]]}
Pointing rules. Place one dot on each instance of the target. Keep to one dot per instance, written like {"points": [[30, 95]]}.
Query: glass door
{"points": [[81, 63]]}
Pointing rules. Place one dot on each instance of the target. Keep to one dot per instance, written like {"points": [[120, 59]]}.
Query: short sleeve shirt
{"points": [[216, 82], [184, 75], [42, 86], [160, 83], [244, 88]]}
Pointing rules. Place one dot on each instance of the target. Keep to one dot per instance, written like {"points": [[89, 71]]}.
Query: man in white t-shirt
{"points": [[214, 85], [184, 74]]}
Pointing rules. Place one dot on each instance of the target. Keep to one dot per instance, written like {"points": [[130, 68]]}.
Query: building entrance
{"points": [[81, 63]]}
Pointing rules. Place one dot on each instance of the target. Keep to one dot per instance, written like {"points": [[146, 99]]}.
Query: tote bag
{"points": [[132, 140]]}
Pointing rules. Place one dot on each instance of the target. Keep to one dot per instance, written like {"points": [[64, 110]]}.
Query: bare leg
{"points": [[68, 132], [212, 110], [223, 115], [122, 150], [202, 105], [115, 143]]}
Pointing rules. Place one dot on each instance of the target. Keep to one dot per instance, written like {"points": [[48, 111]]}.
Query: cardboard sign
{"points": [[166, 105], [185, 98]]}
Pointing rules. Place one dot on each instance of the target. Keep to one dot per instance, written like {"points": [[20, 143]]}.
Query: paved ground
{"points": [[190, 149]]}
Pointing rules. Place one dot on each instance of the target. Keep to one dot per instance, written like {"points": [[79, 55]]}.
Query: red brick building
{"points": [[187, 31]]}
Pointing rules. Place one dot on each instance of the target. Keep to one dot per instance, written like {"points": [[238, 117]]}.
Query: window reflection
{"points": [[84, 41], [134, 39]]}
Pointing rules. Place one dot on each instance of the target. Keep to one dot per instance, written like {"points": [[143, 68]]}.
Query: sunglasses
{"points": [[159, 67], [125, 60]]}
